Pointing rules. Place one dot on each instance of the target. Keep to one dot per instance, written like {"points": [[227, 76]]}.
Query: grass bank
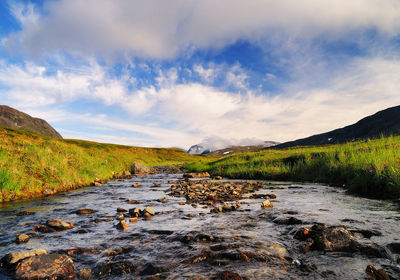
{"points": [[30, 163], [368, 168]]}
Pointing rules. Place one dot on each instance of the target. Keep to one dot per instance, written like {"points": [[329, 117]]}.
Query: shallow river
{"points": [[157, 246]]}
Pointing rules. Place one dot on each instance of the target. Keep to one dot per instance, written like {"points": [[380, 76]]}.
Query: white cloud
{"points": [[160, 29], [183, 114]]}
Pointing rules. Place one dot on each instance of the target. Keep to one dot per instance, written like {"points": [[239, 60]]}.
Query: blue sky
{"points": [[174, 73]]}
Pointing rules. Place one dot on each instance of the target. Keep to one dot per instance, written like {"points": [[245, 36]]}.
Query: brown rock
{"points": [[149, 211], [25, 213], [140, 169], [85, 211], [120, 210], [59, 225], [228, 275], [133, 220], [197, 175], [267, 204], [122, 226], [14, 257], [136, 185], [49, 267], [22, 238], [376, 274]]}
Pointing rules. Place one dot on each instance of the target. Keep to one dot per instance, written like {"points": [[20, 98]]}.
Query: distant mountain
{"points": [[385, 122], [202, 149], [12, 118]]}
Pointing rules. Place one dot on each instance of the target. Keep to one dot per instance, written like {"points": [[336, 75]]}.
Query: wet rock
{"points": [[43, 229], [136, 185], [22, 238], [81, 231], [14, 257], [217, 178], [373, 250], [113, 268], [120, 217], [324, 238], [148, 212], [134, 212], [156, 186], [122, 225], [84, 273], [85, 211], [196, 175], [133, 220], [287, 221], [267, 204], [376, 274], [227, 275], [162, 200], [140, 169], [51, 267], [59, 225], [132, 201], [25, 213], [121, 210], [291, 212]]}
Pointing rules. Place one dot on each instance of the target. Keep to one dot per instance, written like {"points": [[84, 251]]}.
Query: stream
{"points": [[177, 242]]}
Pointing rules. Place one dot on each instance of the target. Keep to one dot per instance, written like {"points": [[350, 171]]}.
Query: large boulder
{"points": [[325, 238], [141, 169], [49, 267]]}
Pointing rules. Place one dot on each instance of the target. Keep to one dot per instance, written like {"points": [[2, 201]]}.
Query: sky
{"points": [[180, 72]]}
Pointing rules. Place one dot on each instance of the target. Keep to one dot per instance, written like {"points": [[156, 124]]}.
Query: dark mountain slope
{"points": [[385, 122], [12, 118]]}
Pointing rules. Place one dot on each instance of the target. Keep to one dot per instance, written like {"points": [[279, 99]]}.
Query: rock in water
{"points": [[85, 211], [51, 267], [122, 226], [140, 169], [22, 238], [197, 175], [267, 204], [228, 275], [59, 225], [376, 274], [14, 257]]}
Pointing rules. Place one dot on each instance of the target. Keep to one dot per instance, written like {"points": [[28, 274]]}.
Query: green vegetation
{"points": [[368, 168], [30, 163]]}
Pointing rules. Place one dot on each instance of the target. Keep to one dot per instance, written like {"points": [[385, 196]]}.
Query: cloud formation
{"points": [[160, 29]]}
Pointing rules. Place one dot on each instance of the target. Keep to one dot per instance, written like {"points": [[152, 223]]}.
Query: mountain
{"points": [[385, 122], [229, 149], [12, 118]]}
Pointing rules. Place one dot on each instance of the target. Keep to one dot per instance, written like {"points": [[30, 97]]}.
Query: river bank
{"points": [[366, 168], [175, 228]]}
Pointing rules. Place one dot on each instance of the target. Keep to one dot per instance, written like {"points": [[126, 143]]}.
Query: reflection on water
{"points": [[159, 241]]}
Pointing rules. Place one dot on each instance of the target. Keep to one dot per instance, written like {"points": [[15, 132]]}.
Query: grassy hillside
{"points": [[30, 163], [369, 168]]}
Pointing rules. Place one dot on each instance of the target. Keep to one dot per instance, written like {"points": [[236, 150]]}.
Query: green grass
{"points": [[30, 163], [368, 168]]}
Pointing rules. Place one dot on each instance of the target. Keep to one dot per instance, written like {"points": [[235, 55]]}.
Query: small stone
{"points": [[25, 213], [122, 226], [228, 275], [120, 210], [181, 203], [120, 217], [22, 238], [133, 220], [136, 185], [149, 211], [376, 274], [84, 273], [85, 211], [135, 212], [267, 204], [59, 225]]}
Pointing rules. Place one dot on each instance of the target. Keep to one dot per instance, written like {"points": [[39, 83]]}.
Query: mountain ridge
{"points": [[15, 119], [383, 123]]}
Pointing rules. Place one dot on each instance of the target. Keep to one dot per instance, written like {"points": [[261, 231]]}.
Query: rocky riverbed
{"points": [[165, 226]]}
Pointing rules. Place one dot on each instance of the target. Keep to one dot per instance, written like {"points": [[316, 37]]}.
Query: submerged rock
{"points": [[50, 267], [25, 213]]}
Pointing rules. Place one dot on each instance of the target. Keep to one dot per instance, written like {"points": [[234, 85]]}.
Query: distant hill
{"points": [[12, 118], [385, 122]]}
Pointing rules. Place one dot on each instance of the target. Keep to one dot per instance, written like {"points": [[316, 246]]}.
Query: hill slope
{"points": [[12, 118], [31, 164], [385, 122]]}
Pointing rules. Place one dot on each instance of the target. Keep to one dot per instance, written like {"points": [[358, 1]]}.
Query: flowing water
{"points": [[161, 245]]}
